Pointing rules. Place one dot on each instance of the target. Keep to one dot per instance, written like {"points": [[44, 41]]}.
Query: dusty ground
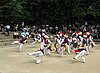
{"points": [[13, 62]]}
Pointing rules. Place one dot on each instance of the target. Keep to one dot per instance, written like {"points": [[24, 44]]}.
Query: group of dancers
{"points": [[76, 42]]}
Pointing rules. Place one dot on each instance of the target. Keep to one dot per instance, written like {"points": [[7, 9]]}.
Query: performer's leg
{"points": [[83, 53], [90, 47], [87, 49], [21, 45], [15, 42], [80, 54], [48, 51], [76, 57], [38, 61], [37, 53], [62, 49], [59, 49], [83, 59], [68, 49], [39, 58], [93, 43]]}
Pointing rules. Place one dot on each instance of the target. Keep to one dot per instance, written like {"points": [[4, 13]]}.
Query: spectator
{"points": [[1, 27], [16, 35], [7, 27], [56, 28]]}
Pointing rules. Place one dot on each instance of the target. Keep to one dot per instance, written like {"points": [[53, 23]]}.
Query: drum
{"points": [[57, 45], [67, 48], [49, 47]]}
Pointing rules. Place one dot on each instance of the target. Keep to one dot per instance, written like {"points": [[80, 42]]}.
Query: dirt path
{"points": [[14, 62]]}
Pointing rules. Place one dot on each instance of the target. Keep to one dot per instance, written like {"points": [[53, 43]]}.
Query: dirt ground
{"points": [[12, 61]]}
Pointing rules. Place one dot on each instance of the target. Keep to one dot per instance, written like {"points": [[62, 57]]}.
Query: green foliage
{"points": [[52, 12]]}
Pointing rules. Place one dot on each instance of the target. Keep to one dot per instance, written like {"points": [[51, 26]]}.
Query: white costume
{"points": [[81, 54], [22, 41], [38, 54], [61, 49], [41, 52]]}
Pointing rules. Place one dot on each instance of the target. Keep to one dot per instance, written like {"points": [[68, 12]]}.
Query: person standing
{"points": [[7, 27], [1, 27]]}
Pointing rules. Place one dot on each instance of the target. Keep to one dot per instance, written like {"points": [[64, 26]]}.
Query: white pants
{"points": [[15, 42], [61, 50], [87, 49], [46, 50], [81, 54], [38, 54], [21, 45]]}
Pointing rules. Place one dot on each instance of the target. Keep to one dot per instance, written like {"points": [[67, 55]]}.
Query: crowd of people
{"points": [[71, 39], [71, 42], [94, 29], [84, 26]]}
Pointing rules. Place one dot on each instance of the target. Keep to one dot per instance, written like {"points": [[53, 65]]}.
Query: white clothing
{"points": [[81, 54], [37, 54]]}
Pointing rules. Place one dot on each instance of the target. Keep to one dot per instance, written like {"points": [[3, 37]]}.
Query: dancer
{"points": [[38, 54], [66, 43], [80, 53], [81, 49], [21, 41], [61, 48], [43, 49], [47, 44]]}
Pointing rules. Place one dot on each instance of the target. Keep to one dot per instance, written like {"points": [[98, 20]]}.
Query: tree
{"points": [[52, 12]]}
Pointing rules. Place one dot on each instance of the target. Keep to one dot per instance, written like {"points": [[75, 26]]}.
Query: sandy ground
{"points": [[12, 61]]}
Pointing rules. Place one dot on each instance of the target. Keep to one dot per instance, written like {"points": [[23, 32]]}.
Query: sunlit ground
{"points": [[12, 61]]}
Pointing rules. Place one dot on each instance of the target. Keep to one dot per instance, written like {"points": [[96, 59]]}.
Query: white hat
{"points": [[45, 36], [74, 39]]}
